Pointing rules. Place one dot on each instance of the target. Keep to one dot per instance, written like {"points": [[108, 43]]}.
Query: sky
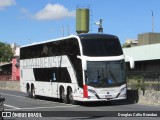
{"points": [[28, 21]]}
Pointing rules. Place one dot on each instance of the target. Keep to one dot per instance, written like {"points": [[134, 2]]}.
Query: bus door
{"points": [[54, 83]]}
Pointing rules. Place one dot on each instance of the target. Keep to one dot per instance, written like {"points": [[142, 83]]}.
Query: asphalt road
{"points": [[17, 104]]}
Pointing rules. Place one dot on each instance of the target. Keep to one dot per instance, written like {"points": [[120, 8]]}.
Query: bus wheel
{"points": [[63, 96], [71, 100], [33, 95], [28, 91]]}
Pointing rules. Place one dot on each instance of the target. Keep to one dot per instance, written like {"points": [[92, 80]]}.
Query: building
{"points": [[147, 59], [5, 71], [148, 38], [145, 55], [10, 71], [15, 64]]}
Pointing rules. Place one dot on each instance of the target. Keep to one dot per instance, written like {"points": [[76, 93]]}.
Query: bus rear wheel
{"points": [[28, 91], [33, 95], [71, 100]]}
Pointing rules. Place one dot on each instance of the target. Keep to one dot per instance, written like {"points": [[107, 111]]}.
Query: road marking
{"points": [[26, 97], [12, 106], [12, 95], [47, 107], [36, 108], [17, 108]]}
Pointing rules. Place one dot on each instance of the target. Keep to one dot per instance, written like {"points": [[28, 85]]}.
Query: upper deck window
{"points": [[101, 46], [48, 49]]}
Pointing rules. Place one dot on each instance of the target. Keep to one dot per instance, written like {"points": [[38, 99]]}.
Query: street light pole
{"points": [[68, 29], [152, 21], [62, 31]]}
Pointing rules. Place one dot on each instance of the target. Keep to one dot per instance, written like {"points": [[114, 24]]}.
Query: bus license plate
{"points": [[108, 96]]}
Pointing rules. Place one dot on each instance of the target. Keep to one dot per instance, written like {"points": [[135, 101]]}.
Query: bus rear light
{"points": [[85, 91]]}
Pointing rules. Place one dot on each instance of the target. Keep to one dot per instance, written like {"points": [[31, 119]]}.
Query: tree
{"points": [[5, 52]]}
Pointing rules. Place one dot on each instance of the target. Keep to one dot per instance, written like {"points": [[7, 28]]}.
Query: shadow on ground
{"points": [[132, 98]]}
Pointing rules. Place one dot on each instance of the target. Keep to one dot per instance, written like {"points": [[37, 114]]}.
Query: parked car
{"points": [[1, 106]]}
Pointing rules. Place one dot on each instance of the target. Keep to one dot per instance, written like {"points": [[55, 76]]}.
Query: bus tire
{"points": [[28, 91], [63, 96], [33, 95], [70, 96]]}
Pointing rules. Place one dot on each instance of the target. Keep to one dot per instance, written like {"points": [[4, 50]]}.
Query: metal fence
{"points": [[144, 80]]}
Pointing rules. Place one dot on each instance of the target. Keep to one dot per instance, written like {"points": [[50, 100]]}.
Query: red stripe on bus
{"points": [[85, 91]]}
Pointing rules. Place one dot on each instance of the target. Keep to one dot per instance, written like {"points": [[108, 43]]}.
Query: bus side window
{"points": [[50, 51], [45, 50], [27, 54], [73, 47], [54, 49], [58, 48]]}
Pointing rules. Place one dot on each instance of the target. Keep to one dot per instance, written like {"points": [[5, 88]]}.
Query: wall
{"points": [[150, 97], [10, 85]]}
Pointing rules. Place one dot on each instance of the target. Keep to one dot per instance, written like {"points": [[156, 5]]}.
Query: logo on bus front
{"points": [[105, 91]]}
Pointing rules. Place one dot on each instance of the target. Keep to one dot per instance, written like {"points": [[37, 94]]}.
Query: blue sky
{"points": [[25, 21]]}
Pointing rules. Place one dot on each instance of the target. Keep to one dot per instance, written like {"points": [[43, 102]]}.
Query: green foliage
{"points": [[5, 52], [136, 82], [126, 46]]}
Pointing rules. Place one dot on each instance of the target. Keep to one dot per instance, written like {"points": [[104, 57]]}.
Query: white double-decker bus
{"points": [[85, 67]]}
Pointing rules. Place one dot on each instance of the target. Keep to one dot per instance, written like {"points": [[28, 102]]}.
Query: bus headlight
{"points": [[122, 90]]}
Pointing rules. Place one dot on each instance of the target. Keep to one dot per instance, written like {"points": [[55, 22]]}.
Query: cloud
{"points": [[6, 3], [24, 10], [54, 12]]}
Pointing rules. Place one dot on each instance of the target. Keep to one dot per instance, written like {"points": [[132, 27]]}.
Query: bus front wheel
{"points": [[63, 96]]}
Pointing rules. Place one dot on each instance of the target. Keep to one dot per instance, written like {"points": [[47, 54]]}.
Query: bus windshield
{"points": [[105, 73]]}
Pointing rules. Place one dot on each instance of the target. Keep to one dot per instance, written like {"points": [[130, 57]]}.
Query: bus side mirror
{"points": [[131, 62], [84, 65]]}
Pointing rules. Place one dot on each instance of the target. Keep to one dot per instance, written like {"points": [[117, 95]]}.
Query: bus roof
{"points": [[51, 40], [96, 35], [84, 35]]}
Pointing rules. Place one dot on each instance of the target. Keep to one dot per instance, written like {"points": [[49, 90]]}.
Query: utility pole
{"points": [[68, 29], [62, 31], [152, 21]]}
